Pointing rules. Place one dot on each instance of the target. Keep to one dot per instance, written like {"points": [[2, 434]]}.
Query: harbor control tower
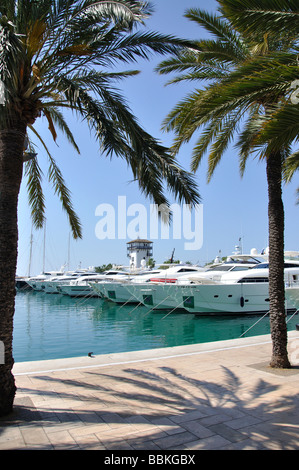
{"points": [[139, 251]]}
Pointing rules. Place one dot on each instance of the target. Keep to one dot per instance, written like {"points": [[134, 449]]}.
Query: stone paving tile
{"points": [[10, 433], [89, 429], [228, 433], [171, 442], [90, 442], [61, 440], [214, 419], [208, 443], [246, 444], [189, 416], [218, 399], [243, 422], [165, 424], [143, 444], [197, 428], [35, 437]]}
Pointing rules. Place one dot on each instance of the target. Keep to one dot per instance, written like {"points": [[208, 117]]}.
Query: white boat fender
{"points": [[242, 301]]}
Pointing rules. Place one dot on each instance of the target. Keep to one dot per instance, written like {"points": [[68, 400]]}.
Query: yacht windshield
{"points": [[261, 266], [266, 265], [220, 268]]}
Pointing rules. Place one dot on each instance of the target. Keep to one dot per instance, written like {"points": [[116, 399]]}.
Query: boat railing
{"points": [[292, 283]]}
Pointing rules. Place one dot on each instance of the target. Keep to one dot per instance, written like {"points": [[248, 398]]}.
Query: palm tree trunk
{"points": [[11, 165], [276, 263]]}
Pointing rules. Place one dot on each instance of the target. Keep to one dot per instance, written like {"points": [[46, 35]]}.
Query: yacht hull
{"points": [[207, 299], [78, 291], [51, 287], [156, 296], [115, 291], [292, 295]]}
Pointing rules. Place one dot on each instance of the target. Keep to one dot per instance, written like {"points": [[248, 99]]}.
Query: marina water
{"points": [[56, 326]]}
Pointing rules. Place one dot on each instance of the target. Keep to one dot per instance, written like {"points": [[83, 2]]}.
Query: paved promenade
{"points": [[220, 395]]}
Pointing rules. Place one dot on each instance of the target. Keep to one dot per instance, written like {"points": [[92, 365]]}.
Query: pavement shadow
{"points": [[169, 409]]}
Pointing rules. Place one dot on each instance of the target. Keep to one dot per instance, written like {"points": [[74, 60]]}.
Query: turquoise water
{"points": [[56, 326]]}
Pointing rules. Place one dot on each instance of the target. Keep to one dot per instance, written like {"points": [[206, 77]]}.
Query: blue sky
{"points": [[233, 207]]}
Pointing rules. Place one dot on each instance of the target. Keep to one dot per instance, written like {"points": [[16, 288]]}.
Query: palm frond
{"points": [[216, 25], [11, 53], [31, 127], [58, 119], [291, 165], [225, 135], [253, 73], [123, 12], [260, 16], [35, 193], [56, 178], [8, 9], [193, 63], [207, 135], [59, 54], [280, 126], [36, 197]]}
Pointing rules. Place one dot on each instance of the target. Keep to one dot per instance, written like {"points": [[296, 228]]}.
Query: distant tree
{"points": [[169, 261], [104, 267], [151, 263]]}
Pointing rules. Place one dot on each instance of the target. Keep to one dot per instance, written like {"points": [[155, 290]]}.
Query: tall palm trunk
{"points": [[276, 263], [11, 164]]}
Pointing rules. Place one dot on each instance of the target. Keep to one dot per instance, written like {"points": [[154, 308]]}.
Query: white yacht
{"points": [[246, 292], [21, 283], [232, 264], [51, 286], [236, 292], [112, 288], [151, 294], [81, 286], [292, 294], [37, 282], [116, 290]]}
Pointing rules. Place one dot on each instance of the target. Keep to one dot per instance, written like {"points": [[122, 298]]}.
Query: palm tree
{"points": [[248, 75], [262, 16], [281, 128], [58, 55]]}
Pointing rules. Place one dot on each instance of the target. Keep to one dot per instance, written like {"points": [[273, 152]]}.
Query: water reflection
{"points": [[56, 326]]}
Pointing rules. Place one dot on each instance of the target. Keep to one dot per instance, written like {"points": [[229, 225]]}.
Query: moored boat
{"points": [[82, 286], [37, 282], [292, 294], [115, 290], [236, 293]]}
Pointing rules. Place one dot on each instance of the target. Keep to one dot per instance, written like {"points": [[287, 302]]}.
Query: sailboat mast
{"points": [[44, 253], [68, 252], [30, 253]]}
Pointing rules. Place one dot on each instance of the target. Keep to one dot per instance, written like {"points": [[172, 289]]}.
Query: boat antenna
{"points": [[30, 253]]}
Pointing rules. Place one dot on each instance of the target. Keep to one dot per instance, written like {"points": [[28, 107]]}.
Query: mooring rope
{"points": [[292, 316], [178, 306], [253, 325]]}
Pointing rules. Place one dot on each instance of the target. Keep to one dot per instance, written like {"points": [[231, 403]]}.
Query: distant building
{"points": [[139, 251]]}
